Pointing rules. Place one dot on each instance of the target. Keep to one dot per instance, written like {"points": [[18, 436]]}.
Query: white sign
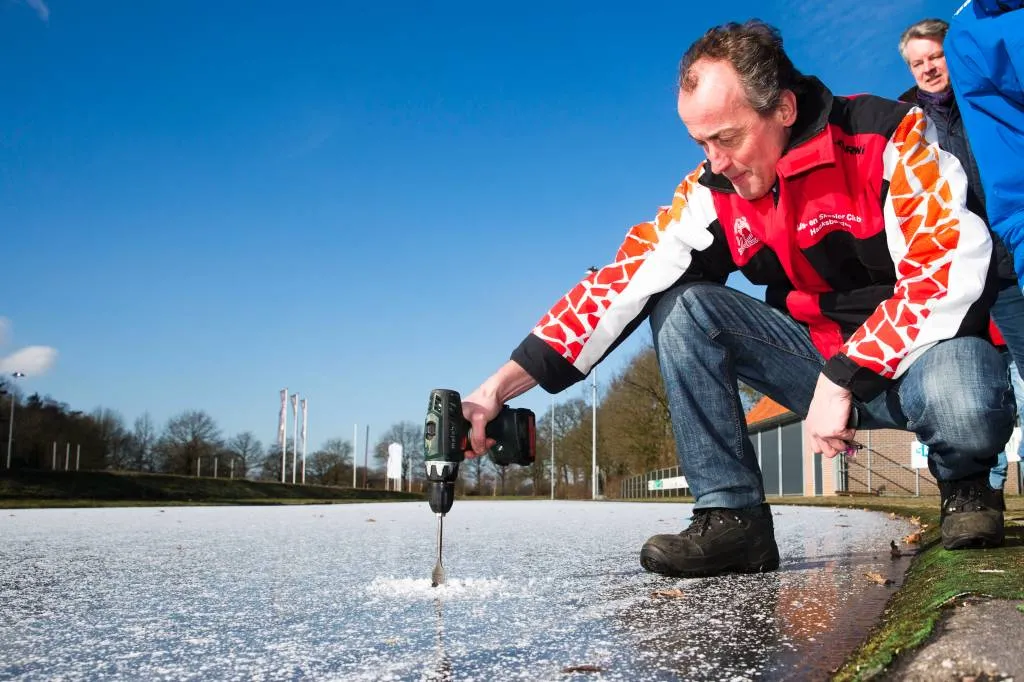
{"points": [[919, 451], [395, 461], [1013, 446], [918, 455], [667, 483]]}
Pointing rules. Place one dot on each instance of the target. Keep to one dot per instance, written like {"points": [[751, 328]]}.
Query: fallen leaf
{"points": [[912, 538], [674, 593], [371, 520], [915, 520], [892, 516], [582, 669], [877, 578]]}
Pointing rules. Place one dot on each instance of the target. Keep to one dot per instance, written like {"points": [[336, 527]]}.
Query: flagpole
{"points": [[282, 430], [366, 455], [295, 432], [304, 441], [355, 446]]}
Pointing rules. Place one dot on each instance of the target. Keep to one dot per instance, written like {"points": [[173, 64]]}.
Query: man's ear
{"points": [[786, 110]]}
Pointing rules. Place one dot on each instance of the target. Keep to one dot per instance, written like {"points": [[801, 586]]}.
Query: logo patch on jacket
{"points": [[745, 239], [849, 148]]}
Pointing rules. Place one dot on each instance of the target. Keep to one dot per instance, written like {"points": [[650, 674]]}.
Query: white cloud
{"points": [[32, 360], [40, 7]]}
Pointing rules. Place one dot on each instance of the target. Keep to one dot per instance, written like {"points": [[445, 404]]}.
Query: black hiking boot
{"points": [[972, 513], [718, 541]]}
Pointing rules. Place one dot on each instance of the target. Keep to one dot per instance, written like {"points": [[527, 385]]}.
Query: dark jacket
{"points": [[949, 126], [866, 239]]}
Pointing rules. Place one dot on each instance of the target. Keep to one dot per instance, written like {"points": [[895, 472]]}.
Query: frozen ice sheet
{"points": [[343, 593]]}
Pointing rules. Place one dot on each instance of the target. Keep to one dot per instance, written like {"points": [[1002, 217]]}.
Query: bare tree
{"points": [[247, 450], [331, 464], [142, 443], [113, 437], [187, 437]]}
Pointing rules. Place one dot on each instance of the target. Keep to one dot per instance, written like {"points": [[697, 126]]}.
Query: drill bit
{"points": [[437, 577]]}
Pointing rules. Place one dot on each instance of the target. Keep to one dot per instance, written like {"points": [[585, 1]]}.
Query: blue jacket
{"points": [[985, 56]]}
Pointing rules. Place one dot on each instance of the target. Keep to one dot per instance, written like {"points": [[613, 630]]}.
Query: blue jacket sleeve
{"points": [[985, 56]]}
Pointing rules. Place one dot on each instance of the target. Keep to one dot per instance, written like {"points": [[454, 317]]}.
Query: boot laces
{"points": [[968, 497], [702, 519]]}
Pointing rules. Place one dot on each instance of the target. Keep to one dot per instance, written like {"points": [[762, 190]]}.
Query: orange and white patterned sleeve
{"points": [[941, 252], [684, 241]]}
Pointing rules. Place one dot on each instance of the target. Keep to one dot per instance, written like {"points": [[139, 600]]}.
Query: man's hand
{"points": [[484, 404], [828, 418], [480, 407]]}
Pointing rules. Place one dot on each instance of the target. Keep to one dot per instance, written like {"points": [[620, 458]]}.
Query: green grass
{"points": [[35, 489]]}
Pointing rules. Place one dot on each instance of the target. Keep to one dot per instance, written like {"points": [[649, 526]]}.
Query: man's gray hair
{"points": [[754, 49], [926, 28]]}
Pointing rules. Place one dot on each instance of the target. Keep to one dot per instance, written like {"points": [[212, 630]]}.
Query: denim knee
{"points": [[674, 311], [958, 400]]}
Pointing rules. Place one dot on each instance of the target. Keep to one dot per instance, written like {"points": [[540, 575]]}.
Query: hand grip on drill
{"points": [[446, 440]]}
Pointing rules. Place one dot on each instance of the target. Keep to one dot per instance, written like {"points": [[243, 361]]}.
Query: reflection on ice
{"points": [[420, 588]]}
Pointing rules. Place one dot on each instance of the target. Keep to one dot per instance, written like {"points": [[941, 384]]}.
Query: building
{"points": [[890, 462]]}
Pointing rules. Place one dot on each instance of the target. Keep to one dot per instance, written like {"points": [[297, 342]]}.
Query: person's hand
{"points": [[479, 408], [828, 418], [484, 404]]}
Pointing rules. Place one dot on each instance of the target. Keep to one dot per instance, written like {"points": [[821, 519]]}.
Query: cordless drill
{"points": [[446, 440]]}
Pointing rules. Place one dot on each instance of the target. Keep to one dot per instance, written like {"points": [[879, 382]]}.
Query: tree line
{"points": [[634, 435]]}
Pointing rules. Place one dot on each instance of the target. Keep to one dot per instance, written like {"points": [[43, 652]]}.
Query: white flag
{"points": [[295, 404], [283, 417], [303, 425], [395, 461]]}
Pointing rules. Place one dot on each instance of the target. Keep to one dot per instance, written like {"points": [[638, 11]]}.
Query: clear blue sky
{"points": [[203, 203]]}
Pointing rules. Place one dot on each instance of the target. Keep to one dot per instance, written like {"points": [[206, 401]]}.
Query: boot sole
{"points": [[973, 530], [654, 560], [973, 542]]}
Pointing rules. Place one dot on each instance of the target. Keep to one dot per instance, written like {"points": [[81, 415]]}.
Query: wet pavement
{"points": [[536, 591]]}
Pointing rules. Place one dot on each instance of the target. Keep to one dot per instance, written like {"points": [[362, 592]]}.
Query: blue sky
{"points": [[203, 203]]}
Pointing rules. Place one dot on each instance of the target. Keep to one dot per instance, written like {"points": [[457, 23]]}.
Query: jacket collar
{"points": [[810, 142], [910, 96]]}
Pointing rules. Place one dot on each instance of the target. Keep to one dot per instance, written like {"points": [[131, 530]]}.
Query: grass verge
{"points": [[36, 489], [935, 580]]}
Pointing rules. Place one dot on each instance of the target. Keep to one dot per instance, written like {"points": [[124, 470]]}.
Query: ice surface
{"points": [[343, 593]]}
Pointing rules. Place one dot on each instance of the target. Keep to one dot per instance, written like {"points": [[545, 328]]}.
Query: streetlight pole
{"points": [[552, 446], [10, 426], [593, 420], [593, 435]]}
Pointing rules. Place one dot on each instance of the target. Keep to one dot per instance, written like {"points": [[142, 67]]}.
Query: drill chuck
{"points": [[441, 477]]}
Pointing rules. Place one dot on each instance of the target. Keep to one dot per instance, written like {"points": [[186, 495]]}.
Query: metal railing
{"points": [[652, 484]]}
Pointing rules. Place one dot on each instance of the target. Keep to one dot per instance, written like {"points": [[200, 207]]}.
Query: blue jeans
{"points": [[1008, 313], [708, 336]]}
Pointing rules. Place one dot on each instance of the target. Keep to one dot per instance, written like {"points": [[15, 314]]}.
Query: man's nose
{"points": [[719, 161]]}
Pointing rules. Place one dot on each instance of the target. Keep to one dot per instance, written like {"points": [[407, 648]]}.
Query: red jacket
{"points": [[865, 239]]}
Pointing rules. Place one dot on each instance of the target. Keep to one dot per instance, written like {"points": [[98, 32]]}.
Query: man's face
{"points": [[741, 144], [928, 64]]}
